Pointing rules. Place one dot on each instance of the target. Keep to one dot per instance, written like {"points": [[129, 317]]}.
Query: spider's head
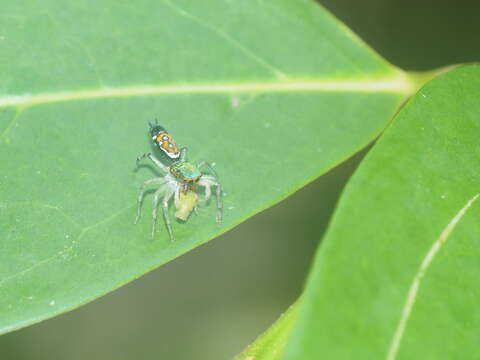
{"points": [[164, 141], [186, 173]]}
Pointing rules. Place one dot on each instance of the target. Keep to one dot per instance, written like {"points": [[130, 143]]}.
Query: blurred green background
{"points": [[213, 301]]}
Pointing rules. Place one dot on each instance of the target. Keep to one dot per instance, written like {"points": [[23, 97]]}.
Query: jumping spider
{"points": [[180, 181]]}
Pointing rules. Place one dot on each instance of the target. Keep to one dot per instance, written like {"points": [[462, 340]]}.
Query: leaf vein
{"points": [[11, 124], [46, 206], [64, 250], [394, 84], [221, 33], [413, 291]]}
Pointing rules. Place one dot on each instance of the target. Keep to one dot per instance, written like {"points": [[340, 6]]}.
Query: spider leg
{"points": [[208, 181], [157, 162], [177, 197], [183, 153], [167, 194], [219, 203], [209, 167], [142, 193], [156, 198], [208, 190]]}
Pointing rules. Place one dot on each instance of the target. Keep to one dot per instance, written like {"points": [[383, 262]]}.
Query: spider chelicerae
{"points": [[180, 181]]}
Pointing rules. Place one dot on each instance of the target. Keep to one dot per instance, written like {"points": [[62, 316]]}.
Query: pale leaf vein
{"points": [[415, 285]]}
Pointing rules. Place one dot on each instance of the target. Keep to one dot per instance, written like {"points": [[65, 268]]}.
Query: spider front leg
{"points": [[142, 193], [183, 153], [167, 194], [157, 162]]}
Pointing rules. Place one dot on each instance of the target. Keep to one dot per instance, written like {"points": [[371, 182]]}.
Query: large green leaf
{"points": [[397, 274], [274, 93]]}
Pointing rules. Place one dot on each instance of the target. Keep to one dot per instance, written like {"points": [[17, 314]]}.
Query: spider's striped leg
{"points": [[142, 193]]}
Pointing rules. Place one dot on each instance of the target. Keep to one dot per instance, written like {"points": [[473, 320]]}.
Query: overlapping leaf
{"points": [[397, 274]]}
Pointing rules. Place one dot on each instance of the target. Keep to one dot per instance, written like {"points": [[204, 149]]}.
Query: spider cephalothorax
{"points": [[180, 180], [185, 171]]}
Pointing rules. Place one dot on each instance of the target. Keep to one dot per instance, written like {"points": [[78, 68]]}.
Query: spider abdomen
{"points": [[185, 171]]}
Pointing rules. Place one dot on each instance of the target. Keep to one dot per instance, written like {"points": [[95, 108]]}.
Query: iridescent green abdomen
{"points": [[184, 171]]}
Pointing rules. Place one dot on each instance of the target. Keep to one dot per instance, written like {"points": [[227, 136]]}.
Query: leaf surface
{"points": [[397, 274], [274, 93], [271, 344]]}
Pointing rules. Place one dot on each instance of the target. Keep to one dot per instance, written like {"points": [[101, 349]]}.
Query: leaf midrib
{"points": [[399, 83]]}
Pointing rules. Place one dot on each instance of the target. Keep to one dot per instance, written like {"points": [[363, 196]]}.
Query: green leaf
{"points": [[271, 344], [274, 93], [397, 274]]}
